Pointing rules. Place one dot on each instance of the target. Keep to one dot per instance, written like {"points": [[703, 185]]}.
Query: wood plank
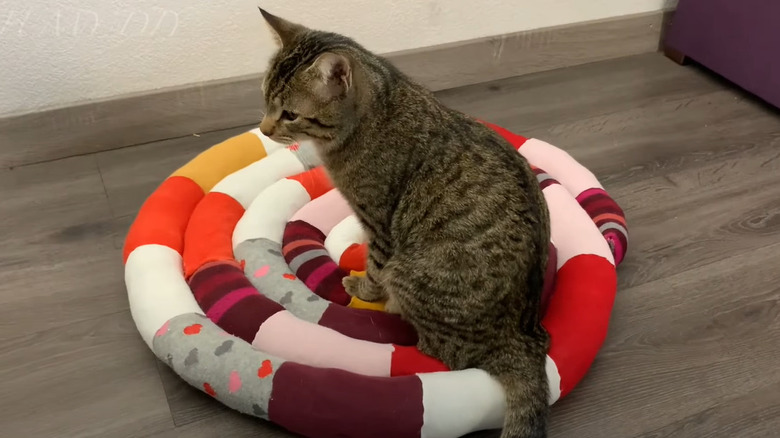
{"points": [[753, 415], [537, 50], [37, 296], [59, 263], [234, 425], [120, 227], [93, 378], [681, 345], [535, 101], [70, 190], [698, 215], [649, 141], [170, 433], [197, 108]]}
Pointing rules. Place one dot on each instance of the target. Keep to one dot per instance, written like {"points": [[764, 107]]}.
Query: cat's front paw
{"points": [[353, 285], [362, 288]]}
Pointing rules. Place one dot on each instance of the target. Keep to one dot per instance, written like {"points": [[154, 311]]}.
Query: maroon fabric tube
{"points": [[324, 403], [369, 325]]}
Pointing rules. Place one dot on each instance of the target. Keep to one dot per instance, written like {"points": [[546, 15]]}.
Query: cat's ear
{"points": [[334, 74], [283, 30]]}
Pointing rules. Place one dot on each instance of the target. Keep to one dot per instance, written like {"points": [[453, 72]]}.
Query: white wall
{"points": [[58, 52]]}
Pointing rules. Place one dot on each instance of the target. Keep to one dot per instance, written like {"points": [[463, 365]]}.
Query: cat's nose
{"points": [[267, 128]]}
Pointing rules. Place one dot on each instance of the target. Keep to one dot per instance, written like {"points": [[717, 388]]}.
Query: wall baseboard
{"points": [[146, 117]]}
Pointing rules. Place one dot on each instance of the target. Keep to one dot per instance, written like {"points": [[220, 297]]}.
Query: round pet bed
{"points": [[233, 269]]}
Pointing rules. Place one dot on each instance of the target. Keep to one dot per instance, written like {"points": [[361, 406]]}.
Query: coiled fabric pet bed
{"points": [[233, 269]]}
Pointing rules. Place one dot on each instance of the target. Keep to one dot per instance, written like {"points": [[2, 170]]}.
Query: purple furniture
{"points": [[738, 39]]}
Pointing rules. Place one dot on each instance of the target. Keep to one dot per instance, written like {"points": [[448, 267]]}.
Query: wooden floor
{"points": [[694, 343]]}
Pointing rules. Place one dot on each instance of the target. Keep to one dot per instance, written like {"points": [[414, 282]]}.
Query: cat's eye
{"points": [[289, 116]]}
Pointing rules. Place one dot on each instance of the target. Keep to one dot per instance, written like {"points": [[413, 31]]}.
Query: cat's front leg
{"points": [[367, 288], [392, 305]]}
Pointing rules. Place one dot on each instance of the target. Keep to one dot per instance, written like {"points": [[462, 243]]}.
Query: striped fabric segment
{"points": [[571, 228], [543, 178], [609, 218], [582, 184], [264, 266], [297, 263], [303, 247], [230, 301], [264, 256]]}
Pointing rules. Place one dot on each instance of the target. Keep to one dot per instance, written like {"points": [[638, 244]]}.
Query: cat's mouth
{"points": [[283, 139]]}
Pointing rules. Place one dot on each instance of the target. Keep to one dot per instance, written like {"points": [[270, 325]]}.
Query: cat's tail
{"points": [[524, 380]]}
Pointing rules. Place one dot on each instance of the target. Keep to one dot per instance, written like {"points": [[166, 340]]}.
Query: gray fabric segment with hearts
{"points": [[223, 366], [294, 295]]}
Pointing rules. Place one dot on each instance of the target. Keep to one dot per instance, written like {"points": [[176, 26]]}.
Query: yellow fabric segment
{"points": [[357, 303], [220, 160]]}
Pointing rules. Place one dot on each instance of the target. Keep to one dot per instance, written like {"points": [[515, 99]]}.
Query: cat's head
{"points": [[308, 88]]}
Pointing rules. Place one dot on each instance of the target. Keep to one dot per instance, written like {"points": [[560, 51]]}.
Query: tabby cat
{"points": [[458, 228]]}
